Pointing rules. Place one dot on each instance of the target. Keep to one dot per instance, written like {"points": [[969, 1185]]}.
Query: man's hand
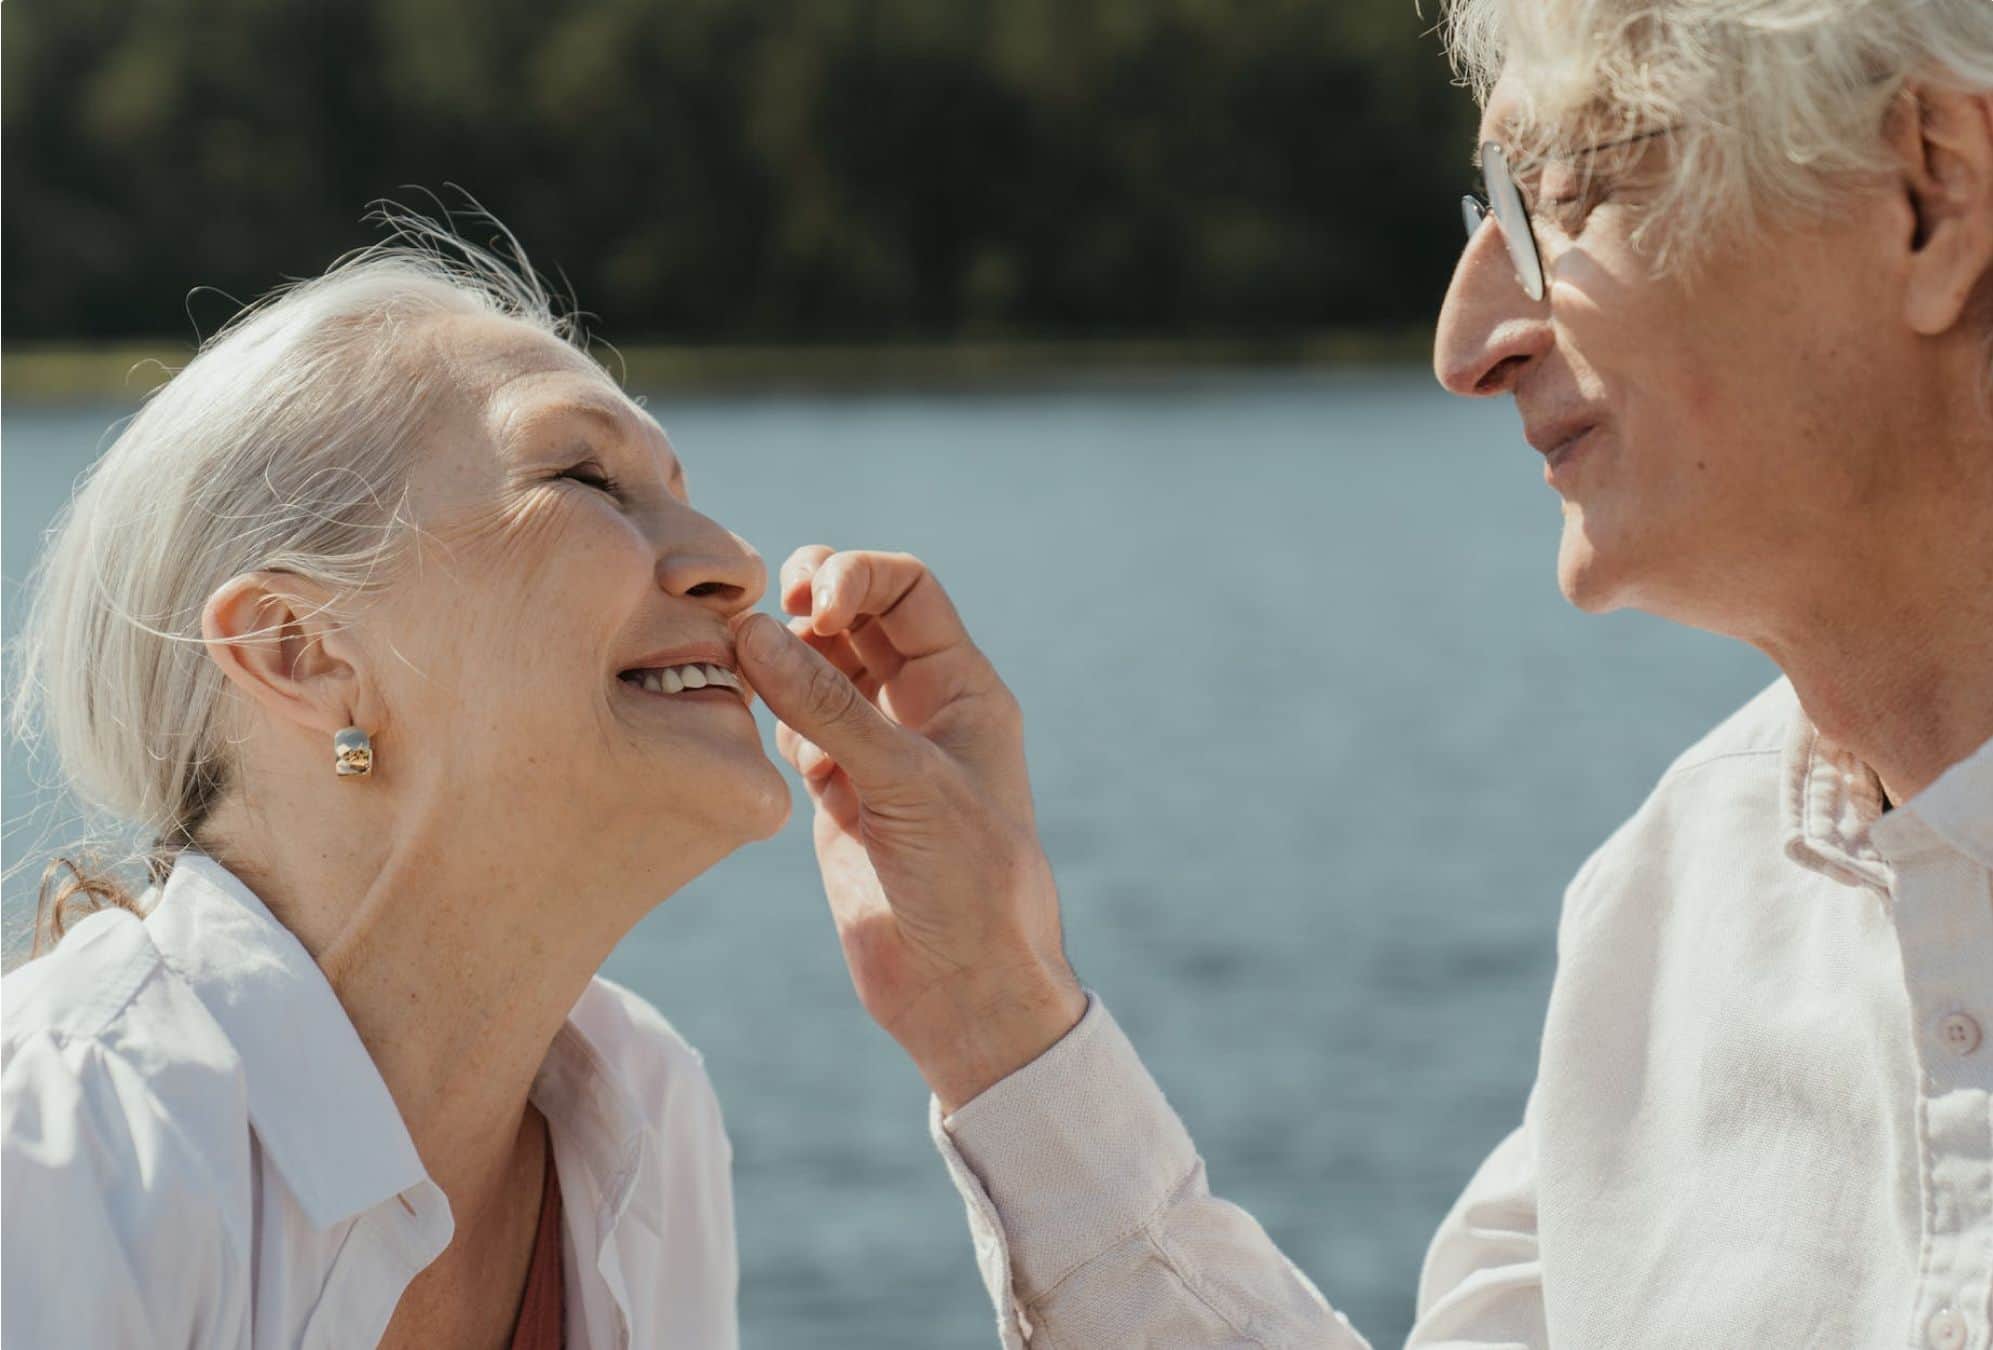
{"points": [[913, 751]]}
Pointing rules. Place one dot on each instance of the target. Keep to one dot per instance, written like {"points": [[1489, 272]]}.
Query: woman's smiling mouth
{"points": [[697, 680]]}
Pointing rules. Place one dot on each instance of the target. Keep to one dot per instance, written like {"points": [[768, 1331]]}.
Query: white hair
{"points": [[285, 444], [1776, 102]]}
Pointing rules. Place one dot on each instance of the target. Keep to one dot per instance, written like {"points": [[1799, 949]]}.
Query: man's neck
{"points": [[1903, 679]]}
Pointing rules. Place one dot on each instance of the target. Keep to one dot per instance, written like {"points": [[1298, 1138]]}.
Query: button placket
{"points": [[1945, 934]]}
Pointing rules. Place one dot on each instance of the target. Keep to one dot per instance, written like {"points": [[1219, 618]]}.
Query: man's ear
{"points": [[1944, 141], [273, 638]]}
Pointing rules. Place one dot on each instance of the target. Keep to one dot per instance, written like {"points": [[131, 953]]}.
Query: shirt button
{"points": [[1960, 1033], [1946, 1330]]}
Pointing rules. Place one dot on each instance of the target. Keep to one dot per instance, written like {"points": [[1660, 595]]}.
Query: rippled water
{"points": [[1316, 746]]}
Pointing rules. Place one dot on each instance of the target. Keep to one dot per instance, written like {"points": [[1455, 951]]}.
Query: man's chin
{"points": [[1583, 574]]}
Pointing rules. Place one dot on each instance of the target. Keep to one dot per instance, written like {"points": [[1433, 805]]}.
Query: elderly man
{"points": [[1737, 281]]}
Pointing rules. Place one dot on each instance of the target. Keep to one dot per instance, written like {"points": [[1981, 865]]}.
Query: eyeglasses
{"points": [[1504, 201]]}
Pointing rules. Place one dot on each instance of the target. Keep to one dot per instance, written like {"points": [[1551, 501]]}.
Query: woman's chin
{"points": [[704, 797], [748, 800], [771, 807]]}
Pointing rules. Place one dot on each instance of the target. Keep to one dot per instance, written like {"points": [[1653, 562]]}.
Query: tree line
{"points": [[720, 170]]}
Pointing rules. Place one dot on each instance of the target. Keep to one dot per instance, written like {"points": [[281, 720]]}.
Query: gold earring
{"points": [[352, 753]]}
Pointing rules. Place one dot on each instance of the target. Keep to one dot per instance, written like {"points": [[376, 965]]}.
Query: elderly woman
{"points": [[1739, 282], [390, 616]]}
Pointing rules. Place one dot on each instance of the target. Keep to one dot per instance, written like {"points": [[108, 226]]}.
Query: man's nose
{"points": [[711, 564], [1489, 329]]}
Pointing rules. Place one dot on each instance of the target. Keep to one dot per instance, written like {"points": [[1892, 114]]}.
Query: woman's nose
{"points": [[714, 566], [1489, 329]]}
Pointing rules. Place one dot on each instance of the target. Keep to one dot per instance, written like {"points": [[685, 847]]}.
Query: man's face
{"points": [[1736, 422]]}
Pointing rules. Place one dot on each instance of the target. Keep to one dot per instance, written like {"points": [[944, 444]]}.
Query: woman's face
{"points": [[558, 549]]}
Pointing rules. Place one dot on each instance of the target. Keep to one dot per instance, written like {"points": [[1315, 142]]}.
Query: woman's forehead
{"points": [[519, 377], [488, 353], [532, 398]]}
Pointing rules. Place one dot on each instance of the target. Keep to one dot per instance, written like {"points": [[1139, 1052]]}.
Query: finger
{"points": [[895, 588], [838, 803], [805, 756], [869, 643], [814, 697], [787, 741], [835, 648], [839, 651], [797, 574]]}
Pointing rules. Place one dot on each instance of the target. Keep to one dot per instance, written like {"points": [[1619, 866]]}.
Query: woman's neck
{"points": [[457, 966]]}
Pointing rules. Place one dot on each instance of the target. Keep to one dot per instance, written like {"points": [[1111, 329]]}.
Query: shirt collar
{"points": [[320, 1106], [1956, 810], [1832, 812]]}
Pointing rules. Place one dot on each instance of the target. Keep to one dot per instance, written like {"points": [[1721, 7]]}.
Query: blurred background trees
{"points": [[748, 170]]}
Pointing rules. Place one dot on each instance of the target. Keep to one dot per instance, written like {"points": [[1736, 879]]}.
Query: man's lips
{"points": [[1562, 463], [1565, 448], [1551, 437]]}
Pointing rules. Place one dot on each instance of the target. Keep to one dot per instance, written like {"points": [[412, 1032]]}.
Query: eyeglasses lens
{"points": [[1505, 202]]}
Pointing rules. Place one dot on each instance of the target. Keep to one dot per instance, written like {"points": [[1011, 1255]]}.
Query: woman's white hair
{"points": [[1776, 103], [285, 444]]}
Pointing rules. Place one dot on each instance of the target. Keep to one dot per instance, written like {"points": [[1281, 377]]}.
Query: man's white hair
{"points": [[1776, 103], [285, 443]]}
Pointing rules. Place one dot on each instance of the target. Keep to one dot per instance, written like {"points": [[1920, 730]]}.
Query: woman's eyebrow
{"points": [[613, 422]]}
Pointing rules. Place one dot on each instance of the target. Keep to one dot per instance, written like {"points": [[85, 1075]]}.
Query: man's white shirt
{"points": [[1760, 1118]]}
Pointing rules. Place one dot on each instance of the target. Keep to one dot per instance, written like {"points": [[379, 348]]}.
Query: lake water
{"points": [[1316, 745]]}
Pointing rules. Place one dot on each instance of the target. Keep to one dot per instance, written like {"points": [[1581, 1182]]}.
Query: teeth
{"points": [[698, 675]]}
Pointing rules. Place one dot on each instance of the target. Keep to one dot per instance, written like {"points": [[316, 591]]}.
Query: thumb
{"points": [[815, 698]]}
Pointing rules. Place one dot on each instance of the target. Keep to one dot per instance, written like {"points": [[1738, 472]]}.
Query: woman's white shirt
{"points": [[197, 1150]]}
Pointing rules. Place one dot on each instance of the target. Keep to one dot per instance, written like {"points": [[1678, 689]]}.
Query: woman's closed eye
{"points": [[593, 475]]}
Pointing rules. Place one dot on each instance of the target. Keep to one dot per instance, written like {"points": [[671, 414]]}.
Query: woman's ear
{"points": [[1944, 142], [272, 636]]}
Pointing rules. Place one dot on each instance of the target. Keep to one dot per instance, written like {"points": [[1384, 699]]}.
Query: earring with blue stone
{"points": [[352, 753]]}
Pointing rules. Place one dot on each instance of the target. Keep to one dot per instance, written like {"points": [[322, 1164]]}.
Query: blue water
{"points": [[1316, 746]]}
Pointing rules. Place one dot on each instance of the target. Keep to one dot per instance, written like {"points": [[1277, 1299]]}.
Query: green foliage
{"points": [[715, 170]]}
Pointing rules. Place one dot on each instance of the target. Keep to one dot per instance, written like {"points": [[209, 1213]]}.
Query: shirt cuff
{"points": [[1073, 1153]]}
